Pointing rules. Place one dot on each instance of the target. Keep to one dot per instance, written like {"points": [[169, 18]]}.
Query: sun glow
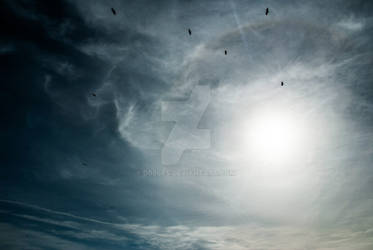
{"points": [[273, 136]]}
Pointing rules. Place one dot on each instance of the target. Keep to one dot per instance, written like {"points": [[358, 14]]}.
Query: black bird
{"points": [[225, 52], [190, 32], [93, 94], [282, 83], [267, 11], [114, 12], [84, 164]]}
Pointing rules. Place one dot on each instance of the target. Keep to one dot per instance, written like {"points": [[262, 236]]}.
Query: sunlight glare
{"points": [[273, 136]]}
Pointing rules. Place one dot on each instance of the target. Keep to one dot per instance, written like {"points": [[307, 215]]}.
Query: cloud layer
{"points": [[82, 97]]}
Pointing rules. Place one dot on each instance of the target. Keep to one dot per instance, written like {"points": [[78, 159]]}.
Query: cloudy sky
{"points": [[125, 132]]}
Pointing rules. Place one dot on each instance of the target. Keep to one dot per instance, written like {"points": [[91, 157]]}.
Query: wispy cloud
{"points": [[250, 236]]}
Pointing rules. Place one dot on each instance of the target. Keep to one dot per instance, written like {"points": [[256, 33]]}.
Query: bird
{"points": [[93, 94], [282, 83], [267, 11], [114, 12], [190, 32], [225, 52], [84, 164]]}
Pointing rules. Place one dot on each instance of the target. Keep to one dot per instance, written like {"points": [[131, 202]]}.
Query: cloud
{"points": [[68, 150], [351, 25], [59, 228]]}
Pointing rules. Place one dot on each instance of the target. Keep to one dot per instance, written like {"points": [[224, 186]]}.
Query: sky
{"points": [[125, 132]]}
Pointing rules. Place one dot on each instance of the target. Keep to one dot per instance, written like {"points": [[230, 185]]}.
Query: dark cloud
{"points": [[46, 101]]}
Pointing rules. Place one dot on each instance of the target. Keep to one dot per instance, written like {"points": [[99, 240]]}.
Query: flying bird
{"points": [[267, 11], [93, 94], [84, 164], [190, 32], [282, 83], [114, 12], [225, 52]]}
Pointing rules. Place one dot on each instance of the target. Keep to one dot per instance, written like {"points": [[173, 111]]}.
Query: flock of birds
{"points": [[190, 33]]}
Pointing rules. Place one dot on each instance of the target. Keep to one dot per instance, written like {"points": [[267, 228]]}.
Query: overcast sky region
{"points": [[125, 132]]}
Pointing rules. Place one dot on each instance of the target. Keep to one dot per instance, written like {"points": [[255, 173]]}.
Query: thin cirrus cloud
{"points": [[142, 57]]}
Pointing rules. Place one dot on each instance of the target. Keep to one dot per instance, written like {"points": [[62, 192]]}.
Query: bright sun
{"points": [[273, 136]]}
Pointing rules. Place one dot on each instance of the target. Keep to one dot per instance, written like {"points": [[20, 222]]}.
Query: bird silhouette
{"points": [[114, 12], [267, 11], [225, 52], [282, 83], [190, 32], [93, 94]]}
